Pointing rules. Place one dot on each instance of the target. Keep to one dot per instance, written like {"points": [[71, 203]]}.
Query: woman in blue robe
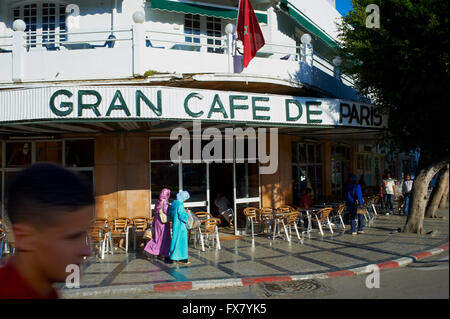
{"points": [[179, 217]]}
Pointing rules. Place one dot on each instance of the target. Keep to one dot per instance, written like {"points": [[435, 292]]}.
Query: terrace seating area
{"points": [[286, 222]]}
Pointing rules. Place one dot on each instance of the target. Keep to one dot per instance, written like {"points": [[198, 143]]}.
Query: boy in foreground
{"points": [[50, 210]]}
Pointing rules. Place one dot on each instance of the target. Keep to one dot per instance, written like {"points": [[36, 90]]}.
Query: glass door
{"points": [[194, 179], [247, 191]]}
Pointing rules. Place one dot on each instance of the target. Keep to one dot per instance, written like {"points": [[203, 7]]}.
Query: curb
{"points": [[245, 282]]}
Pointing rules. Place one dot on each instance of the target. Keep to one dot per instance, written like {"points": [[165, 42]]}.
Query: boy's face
{"points": [[63, 243]]}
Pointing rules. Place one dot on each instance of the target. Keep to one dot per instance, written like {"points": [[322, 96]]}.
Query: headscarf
{"points": [[164, 195], [183, 196]]}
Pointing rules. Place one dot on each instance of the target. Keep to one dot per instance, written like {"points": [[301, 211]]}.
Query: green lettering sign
{"points": [[92, 106], [186, 106], [62, 105], [141, 96], [256, 108], [309, 113], [219, 109], [121, 107], [237, 106], [288, 114]]}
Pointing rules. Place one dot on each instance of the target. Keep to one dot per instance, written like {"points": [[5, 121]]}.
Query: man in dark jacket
{"points": [[354, 194]]}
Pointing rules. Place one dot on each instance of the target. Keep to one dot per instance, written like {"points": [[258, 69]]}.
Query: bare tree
{"points": [[436, 194], [419, 194]]}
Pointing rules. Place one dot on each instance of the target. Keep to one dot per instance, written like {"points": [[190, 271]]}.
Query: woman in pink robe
{"points": [[160, 243]]}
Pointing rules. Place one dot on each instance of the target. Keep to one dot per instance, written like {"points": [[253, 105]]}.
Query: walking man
{"points": [[355, 199], [407, 186], [389, 193]]}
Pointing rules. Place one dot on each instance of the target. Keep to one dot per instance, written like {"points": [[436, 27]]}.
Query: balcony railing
{"points": [[126, 53]]}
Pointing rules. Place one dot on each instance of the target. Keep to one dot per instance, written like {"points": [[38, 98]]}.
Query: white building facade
{"points": [[98, 86]]}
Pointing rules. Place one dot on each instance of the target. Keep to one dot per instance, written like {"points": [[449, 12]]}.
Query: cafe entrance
{"points": [[237, 179]]}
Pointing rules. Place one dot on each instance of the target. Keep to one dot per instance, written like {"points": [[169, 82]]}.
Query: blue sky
{"points": [[343, 6]]}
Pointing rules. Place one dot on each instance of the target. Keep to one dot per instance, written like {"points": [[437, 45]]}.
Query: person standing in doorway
{"points": [[355, 199], [305, 198], [159, 245], [224, 208], [406, 188], [179, 217], [389, 193]]}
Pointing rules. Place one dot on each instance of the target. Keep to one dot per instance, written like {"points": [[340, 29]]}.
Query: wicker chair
{"points": [[120, 228], [139, 225], [252, 216], [266, 218], [105, 223], [321, 216], [288, 220], [338, 214], [97, 236], [209, 228]]}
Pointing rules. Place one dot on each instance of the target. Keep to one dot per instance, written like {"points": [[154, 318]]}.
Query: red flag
{"points": [[248, 31]]}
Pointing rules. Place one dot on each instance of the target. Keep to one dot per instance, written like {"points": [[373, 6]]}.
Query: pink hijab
{"points": [[165, 194]]}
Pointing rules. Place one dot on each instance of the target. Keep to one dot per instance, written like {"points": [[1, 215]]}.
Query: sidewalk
{"points": [[239, 264]]}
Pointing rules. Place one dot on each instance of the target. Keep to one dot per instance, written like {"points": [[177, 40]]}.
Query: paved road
{"points": [[426, 279]]}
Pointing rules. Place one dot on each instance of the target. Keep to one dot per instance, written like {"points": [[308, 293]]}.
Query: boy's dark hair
{"points": [[39, 192]]}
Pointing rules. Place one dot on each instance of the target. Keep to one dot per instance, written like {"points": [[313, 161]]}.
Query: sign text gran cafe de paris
{"points": [[162, 103]]}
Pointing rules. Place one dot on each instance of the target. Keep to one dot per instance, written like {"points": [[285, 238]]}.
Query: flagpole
{"points": [[237, 20]]}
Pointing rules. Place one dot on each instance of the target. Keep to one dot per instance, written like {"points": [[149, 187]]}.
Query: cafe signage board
{"points": [[133, 103]]}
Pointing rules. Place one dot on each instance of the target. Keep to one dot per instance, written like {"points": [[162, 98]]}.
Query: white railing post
{"points": [[18, 50], [230, 29], [307, 62], [138, 43]]}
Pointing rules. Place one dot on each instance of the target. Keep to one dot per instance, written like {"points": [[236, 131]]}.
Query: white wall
{"points": [[321, 12], [5, 67]]}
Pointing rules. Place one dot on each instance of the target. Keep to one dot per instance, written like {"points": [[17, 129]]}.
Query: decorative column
{"points": [[18, 50], [138, 43]]}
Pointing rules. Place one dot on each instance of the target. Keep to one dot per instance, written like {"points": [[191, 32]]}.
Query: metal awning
{"points": [[200, 8]]}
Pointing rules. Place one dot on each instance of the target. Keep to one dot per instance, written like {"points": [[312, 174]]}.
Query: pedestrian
{"points": [[50, 210], [224, 208], [355, 199], [159, 245], [389, 193], [305, 198], [179, 217], [406, 189]]}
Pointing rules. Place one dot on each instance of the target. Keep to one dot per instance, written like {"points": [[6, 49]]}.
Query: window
{"points": [[79, 157], [340, 170], [16, 155], [45, 21], [307, 169], [192, 28], [214, 33]]}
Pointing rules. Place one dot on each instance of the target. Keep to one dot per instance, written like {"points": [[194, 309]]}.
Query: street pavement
{"points": [[238, 263]]}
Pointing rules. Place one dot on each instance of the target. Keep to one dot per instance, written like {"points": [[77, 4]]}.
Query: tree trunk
{"points": [[444, 199], [418, 200], [438, 191]]}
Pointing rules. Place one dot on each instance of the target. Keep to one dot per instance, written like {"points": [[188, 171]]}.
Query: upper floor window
{"points": [[214, 33], [45, 21], [192, 28]]}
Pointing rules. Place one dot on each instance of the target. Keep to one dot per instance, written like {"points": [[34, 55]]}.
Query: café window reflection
{"points": [[18, 154], [79, 153]]}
